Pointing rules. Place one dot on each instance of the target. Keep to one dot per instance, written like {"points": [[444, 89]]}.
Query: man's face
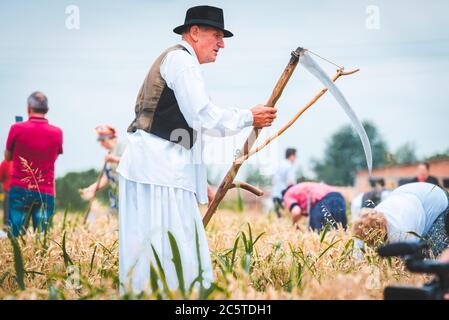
{"points": [[422, 171], [210, 41], [107, 143]]}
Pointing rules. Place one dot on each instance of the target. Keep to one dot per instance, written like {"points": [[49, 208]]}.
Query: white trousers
{"points": [[146, 213]]}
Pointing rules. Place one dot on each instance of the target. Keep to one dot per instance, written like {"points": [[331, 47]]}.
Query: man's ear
{"points": [[194, 32]]}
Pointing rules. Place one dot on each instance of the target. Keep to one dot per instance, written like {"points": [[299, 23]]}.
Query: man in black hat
{"points": [[162, 175]]}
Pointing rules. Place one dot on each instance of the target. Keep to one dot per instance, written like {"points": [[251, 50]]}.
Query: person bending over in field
{"points": [[411, 212], [321, 202]]}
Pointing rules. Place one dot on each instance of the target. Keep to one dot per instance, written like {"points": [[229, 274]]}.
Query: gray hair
{"points": [[38, 102]]}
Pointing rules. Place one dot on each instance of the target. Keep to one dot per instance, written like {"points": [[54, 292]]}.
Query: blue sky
{"points": [[92, 75]]}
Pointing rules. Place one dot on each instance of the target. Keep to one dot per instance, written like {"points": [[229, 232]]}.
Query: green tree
{"points": [[439, 156], [405, 154], [67, 195], [344, 155], [255, 177]]}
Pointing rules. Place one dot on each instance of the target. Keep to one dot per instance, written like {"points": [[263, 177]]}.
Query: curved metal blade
{"points": [[308, 63]]}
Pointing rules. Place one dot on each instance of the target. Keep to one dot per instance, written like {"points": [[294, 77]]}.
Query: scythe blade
{"points": [[308, 63]]}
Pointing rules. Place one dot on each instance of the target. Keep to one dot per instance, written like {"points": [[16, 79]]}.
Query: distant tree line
{"points": [[67, 194], [344, 155]]}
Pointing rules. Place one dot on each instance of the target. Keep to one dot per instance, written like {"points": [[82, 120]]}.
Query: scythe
{"points": [[299, 55]]}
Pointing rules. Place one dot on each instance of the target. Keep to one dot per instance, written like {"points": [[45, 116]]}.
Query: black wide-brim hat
{"points": [[204, 16]]}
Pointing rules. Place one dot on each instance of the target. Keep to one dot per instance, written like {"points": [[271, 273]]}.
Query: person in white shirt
{"points": [[412, 212], [161, 174], [282, 178]]}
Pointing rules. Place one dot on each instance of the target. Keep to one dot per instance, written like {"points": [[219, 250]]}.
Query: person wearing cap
{"points": [[108, 139], [162, 176], [33, 146]]}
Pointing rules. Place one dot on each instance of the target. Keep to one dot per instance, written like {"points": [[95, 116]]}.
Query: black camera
{"points": [[413, 255]]}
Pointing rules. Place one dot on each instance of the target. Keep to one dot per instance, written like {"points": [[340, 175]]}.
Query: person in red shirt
{"points": [[5, 179], [321, 202], [423, 172], [33, 146]]}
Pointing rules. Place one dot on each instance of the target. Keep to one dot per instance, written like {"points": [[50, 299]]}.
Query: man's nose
{"points": [[221, 44]]}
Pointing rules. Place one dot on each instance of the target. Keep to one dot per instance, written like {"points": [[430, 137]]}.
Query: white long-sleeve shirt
{"points": [[153, 160], [283, 177]]}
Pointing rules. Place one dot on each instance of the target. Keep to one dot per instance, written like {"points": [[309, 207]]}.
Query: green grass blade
{"points": [[67, 260], [205, 293], [161, 274], [234, 252], [420, 237], [221, 264], [153, 281], [250, 233], [328, 247], [192, 285], [199, 278], [18, 263], [246, 262], [258, 237], [65, 218], [92, 259], [47, 228], [324, 232], [178, 263], [245, 242], [3, 277]]}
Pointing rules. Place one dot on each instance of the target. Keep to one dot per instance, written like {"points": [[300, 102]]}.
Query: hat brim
{"points": [[200, 22]]}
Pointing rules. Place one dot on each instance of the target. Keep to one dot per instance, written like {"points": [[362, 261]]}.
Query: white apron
{"points": [[146, 213]]}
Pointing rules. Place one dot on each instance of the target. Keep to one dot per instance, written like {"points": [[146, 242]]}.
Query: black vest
{"points": [[157, 110]]}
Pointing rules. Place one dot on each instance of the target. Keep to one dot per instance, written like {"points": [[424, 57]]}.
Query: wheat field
{"points": [[255, 256]]}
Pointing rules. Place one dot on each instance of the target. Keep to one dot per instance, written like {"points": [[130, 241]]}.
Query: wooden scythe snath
{"points": [[228, 181], [97, 187]]}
